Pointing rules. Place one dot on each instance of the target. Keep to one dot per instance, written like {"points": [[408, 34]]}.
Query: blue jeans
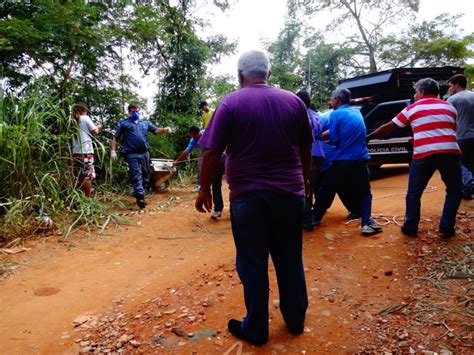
{"points": [[352, 177], [467, 156], [467, 164], [467, 182], [217, 186], [421, 171], [269, 223], [138, 172]]}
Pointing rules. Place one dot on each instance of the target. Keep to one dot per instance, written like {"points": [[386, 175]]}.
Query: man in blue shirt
{"points": [[132, 132], [349, 168], [347, 197], [196, 134]]}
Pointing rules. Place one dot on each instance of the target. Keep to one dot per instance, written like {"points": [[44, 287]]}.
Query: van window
{"points": [[382, 114]]}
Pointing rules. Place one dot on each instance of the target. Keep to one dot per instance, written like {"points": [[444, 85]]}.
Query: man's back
{"points": [[262, 127], [434, 126], [348, 133], [463, 101], [317, 148], [82, 143]]}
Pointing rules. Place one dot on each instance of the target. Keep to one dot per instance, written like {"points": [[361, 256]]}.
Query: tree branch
{"points": [[67, 74], [353, 11]]}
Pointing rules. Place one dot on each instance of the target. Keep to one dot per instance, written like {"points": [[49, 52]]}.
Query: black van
{"points": [[381, 96]]}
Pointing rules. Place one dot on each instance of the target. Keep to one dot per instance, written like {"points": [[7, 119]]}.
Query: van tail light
{"points": [[362, 99]]}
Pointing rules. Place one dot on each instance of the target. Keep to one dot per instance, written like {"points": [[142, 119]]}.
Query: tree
{"points": [[437, 42], [368, 18], [105, 97], [305, 61], [165, 41], [217, 87], [51, 39], [80, 49], [285, 56], [72, 48], [321, 68]]}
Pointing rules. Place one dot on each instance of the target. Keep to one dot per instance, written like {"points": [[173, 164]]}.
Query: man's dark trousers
{"points": [[346, 175], [217, 186], [269, 223], [349, 198], [421, 171], [316, 164], [138, 172]]}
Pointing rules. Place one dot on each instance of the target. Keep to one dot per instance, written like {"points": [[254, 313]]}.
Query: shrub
{"points": [[36, 169]]}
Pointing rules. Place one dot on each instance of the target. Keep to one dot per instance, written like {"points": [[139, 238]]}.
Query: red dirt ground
{"points": [[168, 285]]}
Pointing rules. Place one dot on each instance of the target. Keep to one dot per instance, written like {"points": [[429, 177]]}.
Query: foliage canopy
{"points": [[55, 53], [364, 36]]}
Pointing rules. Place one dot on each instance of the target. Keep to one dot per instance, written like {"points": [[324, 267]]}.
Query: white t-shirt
{"points": [[82, 143]]}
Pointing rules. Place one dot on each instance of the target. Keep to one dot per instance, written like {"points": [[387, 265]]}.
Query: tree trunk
{"points": [[370, 48], [66, 77]]}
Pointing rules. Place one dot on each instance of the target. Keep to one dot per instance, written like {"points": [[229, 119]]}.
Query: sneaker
{"points": [[371, 228], [216, 214], [368, 230], [375, 226], [196, 188], [235, 328], [408, 232]]}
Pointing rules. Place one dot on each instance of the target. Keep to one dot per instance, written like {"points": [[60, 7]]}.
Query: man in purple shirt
{"points": [[268, 139]]}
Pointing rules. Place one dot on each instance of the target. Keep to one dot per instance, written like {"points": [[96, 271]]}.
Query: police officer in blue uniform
{"points": [[132, 133]]}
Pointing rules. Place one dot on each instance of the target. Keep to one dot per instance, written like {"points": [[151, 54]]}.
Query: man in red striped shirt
{"points": [[434, 139]]}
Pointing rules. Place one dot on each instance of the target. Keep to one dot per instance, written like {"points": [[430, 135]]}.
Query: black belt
{"points": [[137, 151]]}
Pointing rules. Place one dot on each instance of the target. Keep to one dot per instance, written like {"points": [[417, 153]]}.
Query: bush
{"points": [[36, 170], [36, 167]]}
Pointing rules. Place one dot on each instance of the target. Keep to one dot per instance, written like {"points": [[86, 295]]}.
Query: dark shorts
{"points": [[84, 165]]}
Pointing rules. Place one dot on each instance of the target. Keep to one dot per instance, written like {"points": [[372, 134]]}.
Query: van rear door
{"points": [[397, 146]]}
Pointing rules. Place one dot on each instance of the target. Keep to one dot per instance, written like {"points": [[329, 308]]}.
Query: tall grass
{"points": [[36, 170]]}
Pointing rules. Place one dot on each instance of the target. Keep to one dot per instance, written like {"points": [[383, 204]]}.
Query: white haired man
{"points": [[267, 135]]}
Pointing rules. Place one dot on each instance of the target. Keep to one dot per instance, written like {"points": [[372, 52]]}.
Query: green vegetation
{"points": [[36, 170], [364, 36], [56, 53]]}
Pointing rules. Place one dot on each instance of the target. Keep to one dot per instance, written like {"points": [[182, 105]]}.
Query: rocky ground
{"points": [[168, 285]]}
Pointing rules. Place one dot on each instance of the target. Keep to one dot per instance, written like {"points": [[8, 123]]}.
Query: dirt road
{"points": [[168, 285]]}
